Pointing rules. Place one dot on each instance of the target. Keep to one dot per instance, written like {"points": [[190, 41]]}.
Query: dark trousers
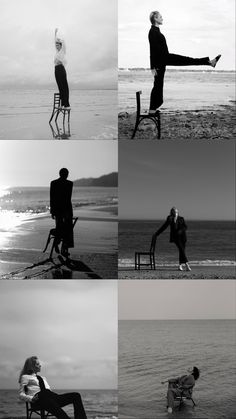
{"points": [[64, 230], [156, 98], [181, 244], [53, 403], [61, 79]]}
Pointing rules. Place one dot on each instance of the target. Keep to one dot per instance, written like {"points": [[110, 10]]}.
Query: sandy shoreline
{"points": [[212, 124], [170, 272]]}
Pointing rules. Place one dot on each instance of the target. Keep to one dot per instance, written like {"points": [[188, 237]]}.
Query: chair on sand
{"points": [[150, 260], [141, 116], [52, 236], [42, 413], [58, 109]]}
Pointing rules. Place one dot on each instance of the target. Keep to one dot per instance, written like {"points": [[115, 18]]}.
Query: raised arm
{"points": [[163, 227], [61, 40]]}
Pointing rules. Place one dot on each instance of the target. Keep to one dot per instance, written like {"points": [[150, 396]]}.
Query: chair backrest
{"points": [[138, 101], [153, 244], [57, 99]]}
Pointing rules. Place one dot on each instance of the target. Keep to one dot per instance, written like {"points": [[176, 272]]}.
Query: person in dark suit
{"points": [[178, 235], [61, 210], [160, 58]]}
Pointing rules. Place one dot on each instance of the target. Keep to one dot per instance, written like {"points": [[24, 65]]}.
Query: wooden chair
{"points": [[183, 397], [52, 236], [40, 412], [141, 116], [57, 109], [151, 256]]}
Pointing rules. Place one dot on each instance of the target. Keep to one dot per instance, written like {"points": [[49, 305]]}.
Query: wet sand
{"points": [[94, 254], [212, 124], [197, 272]]}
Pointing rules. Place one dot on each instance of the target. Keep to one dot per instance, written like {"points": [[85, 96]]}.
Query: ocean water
{"points": [[99, 404], [209, 243], [25, 113], [155, 350], [183, 90]]}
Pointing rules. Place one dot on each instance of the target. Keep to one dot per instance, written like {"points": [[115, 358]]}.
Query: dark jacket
{"points": [[158, 48], [60, 197], [177, 230]]}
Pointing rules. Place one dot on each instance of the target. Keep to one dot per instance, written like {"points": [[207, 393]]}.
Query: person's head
{"points": [[64, 173], [174, 212], [31, 366], [58, 45], [195, 373], [156, 18]]}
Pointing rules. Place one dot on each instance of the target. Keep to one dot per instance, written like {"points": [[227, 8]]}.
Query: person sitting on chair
{"points": [[180, 386], [35, 390], [61, 210], [177, 235], [60, 71]]}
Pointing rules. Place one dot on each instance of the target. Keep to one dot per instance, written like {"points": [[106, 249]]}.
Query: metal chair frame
{"points": [[151, 255], [182, 398], [52, 236], [40, 412], [57, 109], [141, 116]]}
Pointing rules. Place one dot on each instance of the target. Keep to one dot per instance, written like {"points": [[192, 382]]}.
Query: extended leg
{"points": [[181, 60], [75, 399], [48, 401]]}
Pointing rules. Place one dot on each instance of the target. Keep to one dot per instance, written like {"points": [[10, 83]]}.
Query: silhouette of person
{"points": [[61, 210], [178, 235], [160, 58]]}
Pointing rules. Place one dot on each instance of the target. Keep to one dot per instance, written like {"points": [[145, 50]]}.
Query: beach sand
{"points": [[206, 124], [197, 272], [94, 254]]}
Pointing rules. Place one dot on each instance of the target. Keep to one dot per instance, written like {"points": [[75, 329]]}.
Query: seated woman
{"points": [[36, 390], [181, 385]]}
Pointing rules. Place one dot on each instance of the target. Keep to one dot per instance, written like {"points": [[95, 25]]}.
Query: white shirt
{"points": [[60, 55], [29, 386]]}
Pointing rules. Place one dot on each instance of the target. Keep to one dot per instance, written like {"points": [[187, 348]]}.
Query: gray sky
{"points": [[27, 41], [70, 325], [198, 177], [182, 299], [36, 163], [191, 27]]}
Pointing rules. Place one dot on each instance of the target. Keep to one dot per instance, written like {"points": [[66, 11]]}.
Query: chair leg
{"points": [[48, 241], [139, 262], [135, 261], [42, 413], [51, 116], [58, 111], [159, 126], [135, 128], [52, 248]]}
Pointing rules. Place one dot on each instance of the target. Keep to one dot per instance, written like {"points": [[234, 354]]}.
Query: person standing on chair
{"points": [[34, 389], [180, 386], [61, 210], [178, 235], [160, 58], [60, 71]]}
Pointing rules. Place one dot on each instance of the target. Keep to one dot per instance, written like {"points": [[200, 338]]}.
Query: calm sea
{"points": [[184, 90], [155, 350], [99, 404], [209, 242]]}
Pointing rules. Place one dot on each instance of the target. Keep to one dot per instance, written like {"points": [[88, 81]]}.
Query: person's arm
{"points": [[57, 38], [184, 224], [163, 227], [23, 390]]}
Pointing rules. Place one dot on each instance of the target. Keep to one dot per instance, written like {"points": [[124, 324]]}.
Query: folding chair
{"points": [[30, 410], [150, 254], [53, 236], [58, 109], [183, 397], [141, 116]]}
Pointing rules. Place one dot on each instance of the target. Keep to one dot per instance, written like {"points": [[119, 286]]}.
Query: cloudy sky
{"points": [[36, 163], [198, 177], [27, 41], [70, 325], [168, 299], [191, 27]]}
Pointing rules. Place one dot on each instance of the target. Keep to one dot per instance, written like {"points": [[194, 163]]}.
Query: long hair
{"points": [[196, 373], [29, 366]]}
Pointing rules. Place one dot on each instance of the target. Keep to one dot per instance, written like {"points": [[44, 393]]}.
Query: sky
{"points": [[194, 28], [176, 300], [27, 50], [36, 163], [70, 325], [198, 177]]}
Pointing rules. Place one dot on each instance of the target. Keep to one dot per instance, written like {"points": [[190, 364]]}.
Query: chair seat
{"points": [[42, 413]]}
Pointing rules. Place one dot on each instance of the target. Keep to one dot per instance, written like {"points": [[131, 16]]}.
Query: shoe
{"points": [[215, 61], [181, 268], [169, 410], [187, 267]]}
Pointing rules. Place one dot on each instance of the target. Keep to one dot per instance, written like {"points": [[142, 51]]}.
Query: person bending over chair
{"points": [[35, 390], [160, 58], [61, 210], [60, 71], [180, 386], [177, 235]]}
